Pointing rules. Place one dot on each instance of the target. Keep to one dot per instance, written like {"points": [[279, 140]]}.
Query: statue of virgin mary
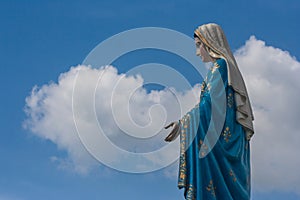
{"points": [[216, 168]]}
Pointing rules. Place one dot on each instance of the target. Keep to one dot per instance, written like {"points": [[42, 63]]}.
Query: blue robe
{"points": [[223, 172]]}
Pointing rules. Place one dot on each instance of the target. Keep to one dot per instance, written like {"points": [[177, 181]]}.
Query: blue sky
{"points": [[39, 40]]}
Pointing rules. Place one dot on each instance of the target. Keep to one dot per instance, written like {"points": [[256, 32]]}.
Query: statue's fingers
{"points": [[168, 138], [176, 128], [168, 126], [173, 135]]}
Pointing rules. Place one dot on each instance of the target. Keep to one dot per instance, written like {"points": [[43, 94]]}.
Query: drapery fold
{"points": [[219, 170]]}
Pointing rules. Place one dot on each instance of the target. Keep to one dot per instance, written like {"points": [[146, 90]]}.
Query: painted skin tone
{"points": [[201, 51]]}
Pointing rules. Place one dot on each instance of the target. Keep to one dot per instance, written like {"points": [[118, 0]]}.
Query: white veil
{"points": [[214, 39]]}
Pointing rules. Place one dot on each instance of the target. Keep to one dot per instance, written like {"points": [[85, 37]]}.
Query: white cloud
{"points": [[50, 117], [271, 76], [141, 114]]}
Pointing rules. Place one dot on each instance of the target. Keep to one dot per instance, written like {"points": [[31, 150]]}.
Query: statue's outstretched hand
{"points": [[174, 133]]}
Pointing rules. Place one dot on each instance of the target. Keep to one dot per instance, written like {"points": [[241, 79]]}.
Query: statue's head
{"points": [[202, 50], [213, 40]]}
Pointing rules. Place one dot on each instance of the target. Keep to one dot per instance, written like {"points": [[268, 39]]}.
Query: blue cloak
{"points": [[220, 169]]}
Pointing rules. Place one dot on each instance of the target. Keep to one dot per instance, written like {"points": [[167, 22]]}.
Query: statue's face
{"points": [[201, 51]]}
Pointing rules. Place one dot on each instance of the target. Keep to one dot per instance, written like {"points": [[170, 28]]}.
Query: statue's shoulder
{"points": [[221, 62], [221, 66]]}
